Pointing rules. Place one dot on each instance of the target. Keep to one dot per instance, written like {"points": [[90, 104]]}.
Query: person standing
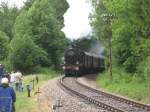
{"points": [[1, 71], [7, 97], [19, 78], [12, 79], [37, 79]]}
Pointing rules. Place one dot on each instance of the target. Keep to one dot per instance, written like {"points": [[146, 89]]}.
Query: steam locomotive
{"points": [[78, 62]]}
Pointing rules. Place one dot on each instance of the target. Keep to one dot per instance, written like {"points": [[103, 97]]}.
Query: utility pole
{"points": [[110, 56]]}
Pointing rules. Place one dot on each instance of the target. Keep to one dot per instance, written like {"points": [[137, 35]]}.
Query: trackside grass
{"points": [[126, 85], [25, 104]]}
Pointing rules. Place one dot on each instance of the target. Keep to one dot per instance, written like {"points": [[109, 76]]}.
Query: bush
{"points": [[4, 40], [7, 65], [144, 69], [25, 55], [130, 85]]}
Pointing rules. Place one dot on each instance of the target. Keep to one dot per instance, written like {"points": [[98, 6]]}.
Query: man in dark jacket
{"points": [[7, 97], [1, 71]]}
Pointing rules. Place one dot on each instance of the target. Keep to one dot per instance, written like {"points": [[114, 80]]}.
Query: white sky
{"points": [[76, 17], [18, 3]]}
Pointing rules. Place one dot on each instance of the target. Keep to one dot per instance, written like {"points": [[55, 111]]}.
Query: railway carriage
{"points": [[78, 62]]}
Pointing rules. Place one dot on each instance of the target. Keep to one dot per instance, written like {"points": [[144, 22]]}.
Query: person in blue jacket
{"points": [[7, 97]]}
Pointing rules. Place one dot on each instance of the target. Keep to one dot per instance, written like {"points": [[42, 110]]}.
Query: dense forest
{"points": [[123, 26], [31, 40], [31, 37]]}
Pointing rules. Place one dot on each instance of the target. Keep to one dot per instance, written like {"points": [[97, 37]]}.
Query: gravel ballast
{"points": [[54, 96]]}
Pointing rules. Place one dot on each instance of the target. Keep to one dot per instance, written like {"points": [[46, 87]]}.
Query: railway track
{"points": [[121, 99], [107, 101]]}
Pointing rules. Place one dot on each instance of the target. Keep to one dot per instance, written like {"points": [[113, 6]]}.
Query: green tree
{"points": [[27, 4], [4, 41], [86, 43], [130, 30], [42, 24], [101, 21], [7, 17], [25, 55], [47, 22]]}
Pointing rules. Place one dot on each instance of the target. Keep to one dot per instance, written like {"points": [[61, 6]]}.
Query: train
{"points": [[78, 62]]}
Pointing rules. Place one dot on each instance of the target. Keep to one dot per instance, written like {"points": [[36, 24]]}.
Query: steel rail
{"points": [[94, 101], [121, 99]]}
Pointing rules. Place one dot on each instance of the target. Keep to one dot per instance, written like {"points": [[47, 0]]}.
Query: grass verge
{"points": [[126, 85], [26, 104]]}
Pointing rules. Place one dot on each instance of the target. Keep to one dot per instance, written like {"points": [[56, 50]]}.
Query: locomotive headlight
{"points": [[77, 62], [64, 67]]}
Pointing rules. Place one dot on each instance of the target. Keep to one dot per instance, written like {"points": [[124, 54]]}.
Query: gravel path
{"points": [[52, 94]]}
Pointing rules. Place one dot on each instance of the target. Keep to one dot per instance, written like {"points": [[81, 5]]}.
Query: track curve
{"points": [[107, 101]]}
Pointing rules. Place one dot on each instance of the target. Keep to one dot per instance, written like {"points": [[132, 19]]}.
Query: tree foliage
{"points": [[41, 23], [7, 17], [130, 30], [84, 43], [25, 55], [4, 41]]}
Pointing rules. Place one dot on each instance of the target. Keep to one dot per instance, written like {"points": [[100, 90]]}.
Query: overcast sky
{"points": [[76, 17], [18, 3]]}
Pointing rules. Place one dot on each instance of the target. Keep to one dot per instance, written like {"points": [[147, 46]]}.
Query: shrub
{"points": [[144, 69], [4, 40], [25, 55]]}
